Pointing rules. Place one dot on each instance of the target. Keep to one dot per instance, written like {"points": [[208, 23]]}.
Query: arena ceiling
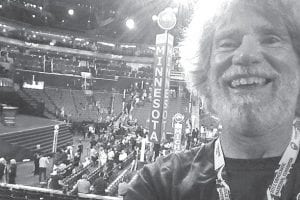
{"points": [[96, 18]]}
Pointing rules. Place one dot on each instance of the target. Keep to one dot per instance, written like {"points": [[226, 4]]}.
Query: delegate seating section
{"points": [[103, 98], [117, 173], [20, 192], [85, 109], [71, 180]]}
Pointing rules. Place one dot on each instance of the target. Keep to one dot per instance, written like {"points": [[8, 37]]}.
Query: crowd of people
{"points": [[105, 147]]}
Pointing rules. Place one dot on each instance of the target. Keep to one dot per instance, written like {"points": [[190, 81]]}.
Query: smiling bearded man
{"points": [[243, 56]]}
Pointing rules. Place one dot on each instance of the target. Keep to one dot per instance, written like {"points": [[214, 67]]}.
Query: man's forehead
{"points": [[242, 15]]}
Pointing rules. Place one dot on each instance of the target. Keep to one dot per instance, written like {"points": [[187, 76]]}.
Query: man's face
{"points": [[254, 74]]}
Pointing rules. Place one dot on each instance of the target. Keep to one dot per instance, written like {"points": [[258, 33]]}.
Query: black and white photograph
{"points": [[149, 99]]}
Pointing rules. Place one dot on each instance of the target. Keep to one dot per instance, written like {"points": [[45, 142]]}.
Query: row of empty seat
{"points": [[75, 104]]}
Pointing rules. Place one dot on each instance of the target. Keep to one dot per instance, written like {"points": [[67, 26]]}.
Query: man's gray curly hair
{"points": [[196, 48]]}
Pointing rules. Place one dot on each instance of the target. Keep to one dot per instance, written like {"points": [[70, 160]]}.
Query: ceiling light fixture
{"points": [[154, 18], [130, 23], [71, 12]]}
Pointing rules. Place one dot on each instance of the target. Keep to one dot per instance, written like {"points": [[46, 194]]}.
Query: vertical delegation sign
{"points": [[161, 84], [177, 137], [178, 124], [55, 137]]}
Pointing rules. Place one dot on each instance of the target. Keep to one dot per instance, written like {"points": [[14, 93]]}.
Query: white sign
{"points": [[177, 137], [55, 136]]}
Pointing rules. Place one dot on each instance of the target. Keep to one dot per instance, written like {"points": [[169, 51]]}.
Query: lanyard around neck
{"points": [[285, 165]]}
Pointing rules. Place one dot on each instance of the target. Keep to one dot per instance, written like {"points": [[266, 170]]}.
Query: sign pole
{"points": [[162, 65]]}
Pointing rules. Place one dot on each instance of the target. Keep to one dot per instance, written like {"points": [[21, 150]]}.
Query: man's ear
{"points": [[297, 112]]}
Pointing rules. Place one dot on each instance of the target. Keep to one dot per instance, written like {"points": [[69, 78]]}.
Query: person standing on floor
{"points": [[43, 164], [12, 171]]}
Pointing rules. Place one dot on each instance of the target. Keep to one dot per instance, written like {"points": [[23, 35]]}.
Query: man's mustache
{"points": [[236, 71]]}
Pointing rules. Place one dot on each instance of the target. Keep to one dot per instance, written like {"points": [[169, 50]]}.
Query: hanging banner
{"points": [[161, 84]]}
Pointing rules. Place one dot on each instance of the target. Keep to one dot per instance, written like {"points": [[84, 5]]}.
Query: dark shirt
{"points": [[12, 174], [13, 170], [93, 143], [80, 148], [54, 183], [100, 186], [76, 160], [2, 167], [190, 176]]}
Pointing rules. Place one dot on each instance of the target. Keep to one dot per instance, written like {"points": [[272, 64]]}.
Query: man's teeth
{"points": [[248, 81]]}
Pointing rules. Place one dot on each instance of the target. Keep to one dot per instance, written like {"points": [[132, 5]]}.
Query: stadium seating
{"points": [[28, 140]]}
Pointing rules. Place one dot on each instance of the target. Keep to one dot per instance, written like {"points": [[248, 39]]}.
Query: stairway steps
{"points": [[47, 144], [31, 136], [61, 143], [29, 139], [19, 135], [40, 140]]}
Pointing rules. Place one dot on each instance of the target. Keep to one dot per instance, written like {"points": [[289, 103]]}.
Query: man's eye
{"points": [[271, 40], [227, 44]]}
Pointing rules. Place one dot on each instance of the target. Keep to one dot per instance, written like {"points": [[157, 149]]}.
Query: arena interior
{"points": [[81, 107]]}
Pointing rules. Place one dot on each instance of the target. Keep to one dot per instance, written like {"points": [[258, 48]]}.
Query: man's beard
{"points": [[252, 118]]}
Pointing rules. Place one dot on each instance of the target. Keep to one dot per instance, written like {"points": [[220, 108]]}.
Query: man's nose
{"points": [[248, 53]]}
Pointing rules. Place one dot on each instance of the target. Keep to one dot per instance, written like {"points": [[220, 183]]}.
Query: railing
{"points": [[66, 50], [95, 174], [92, 177], [8, 191], [72, 179], [11, 191], [112, 188]]}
